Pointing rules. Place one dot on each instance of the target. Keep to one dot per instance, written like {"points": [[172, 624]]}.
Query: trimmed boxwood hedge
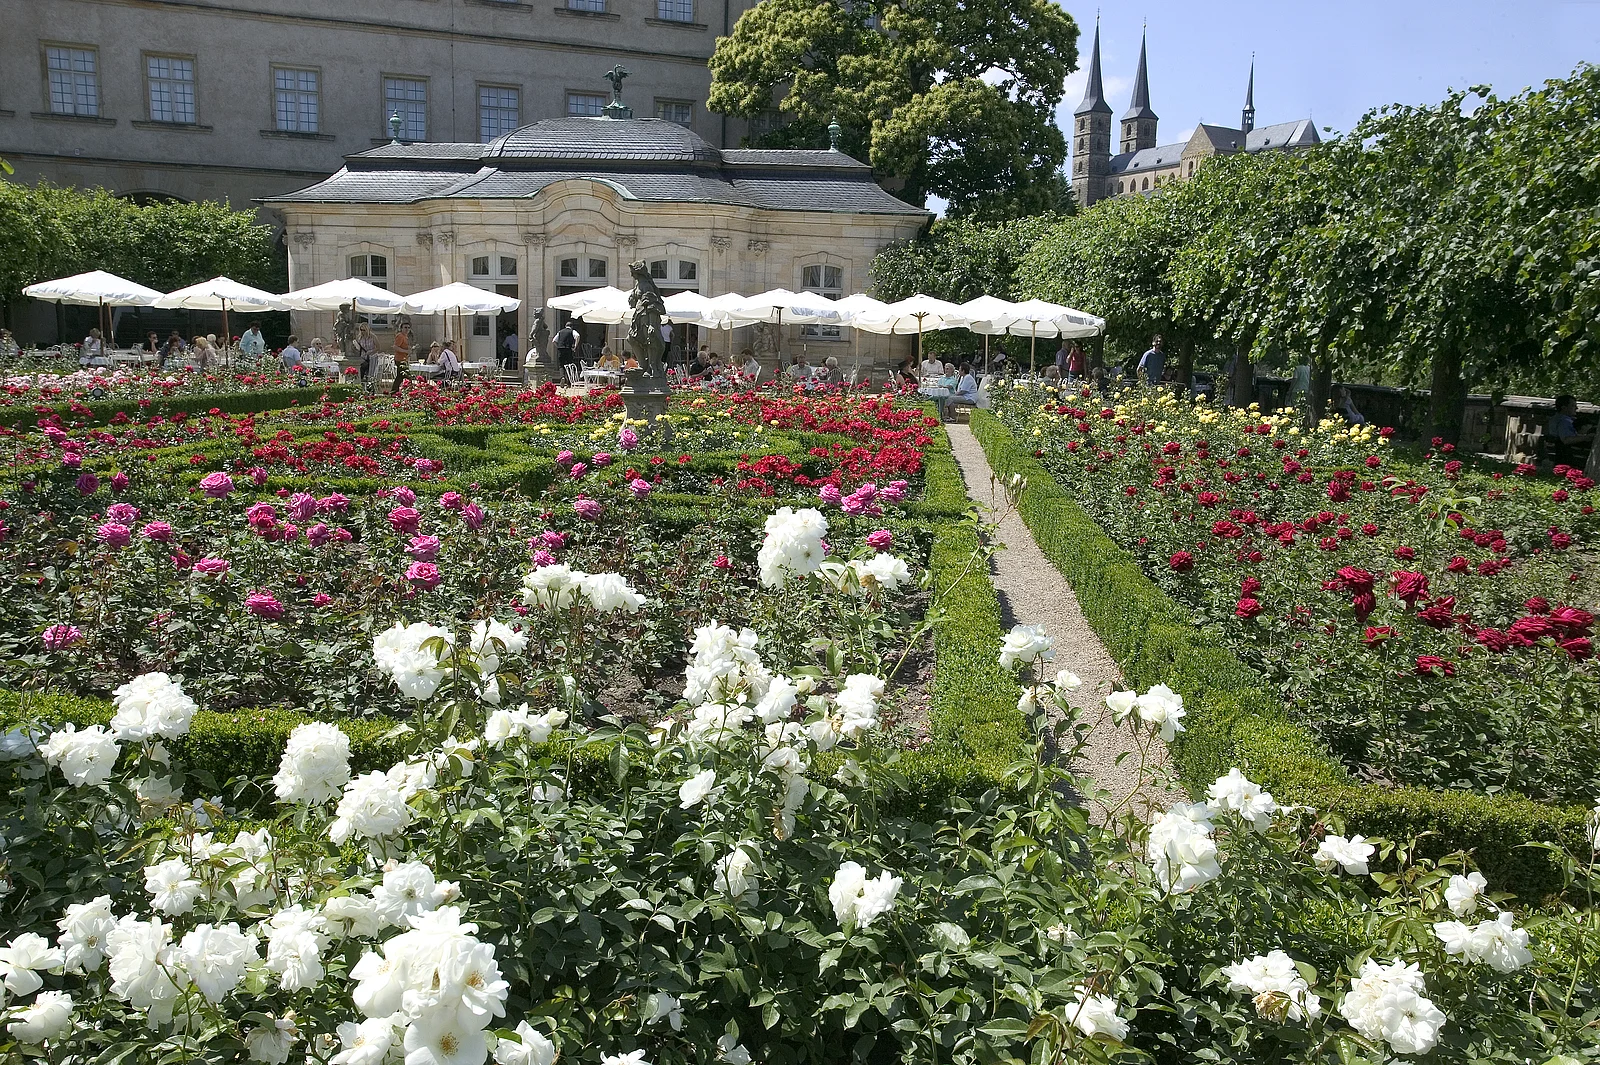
{"points": [[247, 402], [1235, 721], [977, 731]]}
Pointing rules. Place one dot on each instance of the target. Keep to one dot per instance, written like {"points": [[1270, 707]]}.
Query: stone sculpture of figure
{"points": [[538, 339], [344, 331], [644, 327], [766, 339]]}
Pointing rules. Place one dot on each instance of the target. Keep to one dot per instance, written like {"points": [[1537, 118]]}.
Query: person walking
{"points": [[1076, 363], [366, 348], [1153, 363], [567, 346]]}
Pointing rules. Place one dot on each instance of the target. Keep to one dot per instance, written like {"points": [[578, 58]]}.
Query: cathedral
{"points": [[1139, 164]]}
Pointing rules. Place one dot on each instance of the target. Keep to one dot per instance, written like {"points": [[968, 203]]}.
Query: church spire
{"points": [[1094, 94], [1247, 120], [1140, 107]]}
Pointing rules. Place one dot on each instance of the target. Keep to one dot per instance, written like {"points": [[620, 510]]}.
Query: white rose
{"points": [[697, 789], [1096, 1017], [48, 1019]]}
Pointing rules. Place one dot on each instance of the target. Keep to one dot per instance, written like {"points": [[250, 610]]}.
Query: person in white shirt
{"points": [[290, 357], [931, 367], [449, 365], [93, 348], [252, 343]]}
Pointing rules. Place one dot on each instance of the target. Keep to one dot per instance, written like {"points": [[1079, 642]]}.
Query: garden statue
{"points": [[644, 392], [344, 332], [538, 359]]}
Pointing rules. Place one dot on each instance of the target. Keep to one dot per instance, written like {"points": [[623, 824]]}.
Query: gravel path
{"points": [[1032, 591]]}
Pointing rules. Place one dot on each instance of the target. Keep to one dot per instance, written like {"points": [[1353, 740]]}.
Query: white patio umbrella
{"points": [[917, 313], [219, 294], [460, 297], [990, 315], [331, 295], [860, 307], [780, 305], [97, 288], [572, 302], [1039, 318], [696, 309]]}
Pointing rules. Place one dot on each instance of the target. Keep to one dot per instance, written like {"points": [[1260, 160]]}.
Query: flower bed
{"points": [[1235, 718], [1433, 625]]}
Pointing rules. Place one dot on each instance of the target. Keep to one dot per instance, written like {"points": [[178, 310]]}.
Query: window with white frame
{"points": [[372, 268], [407, 97], [297, 99], [478, 266], [170, 81], [679, 111], [586, 104], [675, 274], [74, 81], [675, 10], [597, 269], [499, 110], [825, 281]]}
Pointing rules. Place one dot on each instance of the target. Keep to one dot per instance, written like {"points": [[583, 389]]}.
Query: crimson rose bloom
{"points": [[1357, 580], [1247, 609], [1579, 648], [1181, 562], [1376, 634], [1433, 666], [1409, 586]]}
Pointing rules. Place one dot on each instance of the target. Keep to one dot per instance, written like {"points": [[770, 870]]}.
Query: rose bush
{"points": [[1434, 624]]}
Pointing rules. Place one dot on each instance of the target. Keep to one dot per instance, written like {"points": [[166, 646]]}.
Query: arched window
{"points": [[826, 280], [1119, 188], [1146, 185]]}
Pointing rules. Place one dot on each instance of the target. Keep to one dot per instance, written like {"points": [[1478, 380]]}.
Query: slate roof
{"points": [[1157, 158], [1301, 133], [642, 159]]}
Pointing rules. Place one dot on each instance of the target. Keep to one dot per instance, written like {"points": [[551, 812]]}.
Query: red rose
{"points": [[1356, 579], [1376, 634], [1458, 564], [1247, 609], [1369, 529], [1495, 640], [1181, 562], [1571, 620], [1578, 647], [1537, 605], [1409, 586], [1249, 587], [1433, 666], [1405, 553], [1364, 604]]}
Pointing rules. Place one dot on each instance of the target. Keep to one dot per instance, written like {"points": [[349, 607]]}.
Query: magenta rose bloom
{"points": [[627, 440], [829, 493], [60, 637], [587, 509], [474, 516], [342, 535], [318, 535], [553, 540], [333, 504], [602, 458], [895, 491], [88, 484], [258, 475], [216, 485], [211, 566], [115, 534], [405, 496], [404, 520], [579, 469], [543, 558], [565, 458], [302, 506], [423, 574], [159, 531], [263, 605], [261, 514], [452, 501], [423, 548], [881, 539], [722, 563], [639, 487], [321, 599], [126, 513], [119, 481], [1181, 562]]}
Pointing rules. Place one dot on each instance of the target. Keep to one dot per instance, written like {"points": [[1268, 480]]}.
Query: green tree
{"points": [[958, 259], [944, 97]]}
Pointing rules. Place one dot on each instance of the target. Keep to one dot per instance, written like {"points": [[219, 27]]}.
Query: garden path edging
{"points": [[1033, 591]]}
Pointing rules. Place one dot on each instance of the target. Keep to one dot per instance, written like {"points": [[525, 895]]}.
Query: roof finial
{"points": [[394, 128], [616, 108], [834, 132], [1247, 118]]}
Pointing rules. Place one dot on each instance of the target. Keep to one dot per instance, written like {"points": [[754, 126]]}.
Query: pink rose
{"points": [[474, 516], [553, 540], [72, 460], [216, 485], [423, 548], [423, 574], [333, 504], [405, 496], [115, 534], [302, 506], [543, 558], [342, 535], [404, 520], [722, 563], [212, 567], [452, 501], [126, 513], [159, 531], [627, 440], [321, 599], [829, 493], [602, 458], [880, 539], [639, 487], [565, 458], [318, 535], [262, 604], [587, 509], [88, 484], [261, 514], [60, 637], [119, 481], [258, 475], [579, 469]]}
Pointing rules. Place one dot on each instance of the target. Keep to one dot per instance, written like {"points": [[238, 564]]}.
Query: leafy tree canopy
{"points": [[952, 98], [47, 232], [958, 259]]}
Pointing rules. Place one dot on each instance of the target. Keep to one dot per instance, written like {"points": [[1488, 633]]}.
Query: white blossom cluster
{"points": [[1497, 943], [416, 671], [793, 545], [858, 900], [1024, 645], [1161, 708], [151, 706], [558, 586], [1182, 848], [1275, 985], [1387, 1002], [882, 572]]}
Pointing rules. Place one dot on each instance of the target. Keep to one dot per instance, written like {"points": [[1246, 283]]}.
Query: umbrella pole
{"points": [[227, 337], [1032, 344], [986, 353]]}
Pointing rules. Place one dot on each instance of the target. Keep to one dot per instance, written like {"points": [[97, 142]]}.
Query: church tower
{"points": [[1247, 118], [1139, 121], [1091, 136]]}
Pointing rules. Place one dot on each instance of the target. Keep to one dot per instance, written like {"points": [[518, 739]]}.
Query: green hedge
{"points": [[976, 729], [249, 402], [1234, 720]]}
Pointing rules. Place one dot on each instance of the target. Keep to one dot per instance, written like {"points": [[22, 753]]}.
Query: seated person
{"points": [[1345, 404], [1560, 444], [701, 364], [290, 358], [931, 366], [630, 363], [801, 369], [449, 365], [963, 394], [829, 371], [948, 378], [906, 372], [151, 345], [433, 353], [1052, 376], [750, 368], [608, 359]]}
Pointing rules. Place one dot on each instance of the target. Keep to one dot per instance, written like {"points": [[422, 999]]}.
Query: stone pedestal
{"points": [[645, 397]]}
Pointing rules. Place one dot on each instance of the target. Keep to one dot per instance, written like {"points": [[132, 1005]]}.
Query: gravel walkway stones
{"points": [[1032, 591]]}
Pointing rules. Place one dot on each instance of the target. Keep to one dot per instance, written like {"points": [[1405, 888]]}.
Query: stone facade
{"points": [[1141, 165], [180, 98], [586, 219]]}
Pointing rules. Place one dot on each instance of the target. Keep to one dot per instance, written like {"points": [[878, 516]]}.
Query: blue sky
{"points": [[1332, 61]]}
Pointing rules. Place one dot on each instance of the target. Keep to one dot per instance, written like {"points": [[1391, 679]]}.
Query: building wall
{"points": [[233, 150], [736, 249]]}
